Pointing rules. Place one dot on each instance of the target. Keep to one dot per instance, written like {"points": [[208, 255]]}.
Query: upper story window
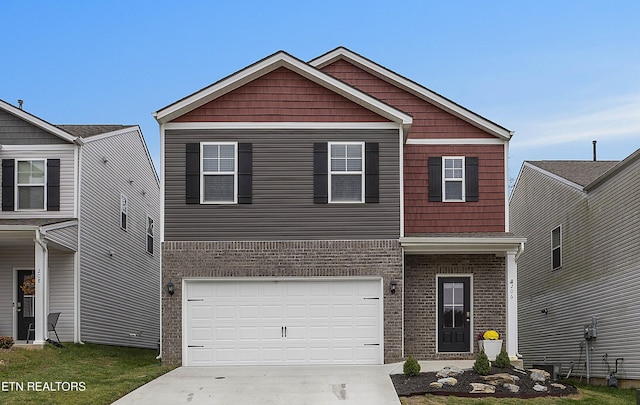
{"points": [[124, 211], [346, 172], [30, 184], [219, 173], [453, 178], [556, 248], [149, 235]]}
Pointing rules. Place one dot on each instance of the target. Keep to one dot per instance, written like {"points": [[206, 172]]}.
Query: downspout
{"points": [[76, 271]]}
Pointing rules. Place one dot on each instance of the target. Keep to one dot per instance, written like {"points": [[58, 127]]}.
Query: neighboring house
{"points": [[331, 212], [581, 263], [79, 208]]}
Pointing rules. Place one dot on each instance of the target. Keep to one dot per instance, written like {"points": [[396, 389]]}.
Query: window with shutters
{"points": [[219, 169], [556, 248], [453, 178], [30, 184], [346, 172]]}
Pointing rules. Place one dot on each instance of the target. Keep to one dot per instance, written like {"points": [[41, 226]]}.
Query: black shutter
{"points": [[245, 173], [53, 184], [192, 165], [320, 174], [372, 173], [8, 174], [435, 179], [471, 179]]}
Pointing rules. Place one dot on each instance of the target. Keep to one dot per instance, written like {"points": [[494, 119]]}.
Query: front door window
{"points": [[454, 314]]}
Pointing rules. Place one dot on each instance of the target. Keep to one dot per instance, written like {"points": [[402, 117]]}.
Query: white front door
{"points": [[282, 322]]}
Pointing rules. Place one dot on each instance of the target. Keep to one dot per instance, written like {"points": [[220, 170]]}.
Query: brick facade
{"points": [[488, 299], [370, 258]]}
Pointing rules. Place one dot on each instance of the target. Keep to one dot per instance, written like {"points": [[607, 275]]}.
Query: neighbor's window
{"points": [[31, 184], [219, 173], [453, 178], [149, 235], [124, 210], [346, 174], [556, 248]]}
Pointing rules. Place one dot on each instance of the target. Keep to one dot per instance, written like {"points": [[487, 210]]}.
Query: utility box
{"points": [[590, 331]]}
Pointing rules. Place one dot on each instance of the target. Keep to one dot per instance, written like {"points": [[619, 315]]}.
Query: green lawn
{"points": [[589, 395], [75, 374]]}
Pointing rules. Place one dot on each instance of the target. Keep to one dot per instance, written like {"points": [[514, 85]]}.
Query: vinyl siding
{"points": [[67, 237], [16, 131], [282, 206], [61, 271], [15, 257], [67, 169], [119, 294], [599, 274]]}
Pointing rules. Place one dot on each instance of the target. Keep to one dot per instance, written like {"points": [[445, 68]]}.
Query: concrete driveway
{"points": [[261, 385]]}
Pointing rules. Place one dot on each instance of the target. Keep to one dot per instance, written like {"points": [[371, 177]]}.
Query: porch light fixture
{"points": [[170, 288], [392, 285]]}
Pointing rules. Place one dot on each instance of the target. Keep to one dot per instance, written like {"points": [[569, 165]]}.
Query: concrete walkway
{"points": [[263, 385]]}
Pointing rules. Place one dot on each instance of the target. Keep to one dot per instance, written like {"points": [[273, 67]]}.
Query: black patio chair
{"points": [[52, 321]]}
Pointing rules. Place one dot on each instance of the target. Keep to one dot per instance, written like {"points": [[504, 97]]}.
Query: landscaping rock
{"points": [[557, 385], [499, 379], [449, 372], [479, 388], [540, 388], [435, 384], [448, 381], [512, 388], [539, 375]]}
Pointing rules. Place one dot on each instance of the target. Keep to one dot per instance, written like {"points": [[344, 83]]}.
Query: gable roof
{"points": [[268, 64], [38, 122], [86, 131], [580, 172], [413, 88]]}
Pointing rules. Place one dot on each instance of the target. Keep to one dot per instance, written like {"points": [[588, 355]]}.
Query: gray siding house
{"points": [[77, 232], [581, 264]]}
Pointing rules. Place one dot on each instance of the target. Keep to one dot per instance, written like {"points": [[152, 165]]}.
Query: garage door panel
{"points": [[283, 322]]}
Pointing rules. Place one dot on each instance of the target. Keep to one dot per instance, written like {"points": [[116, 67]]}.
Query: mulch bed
{"points": [[419, 385]]}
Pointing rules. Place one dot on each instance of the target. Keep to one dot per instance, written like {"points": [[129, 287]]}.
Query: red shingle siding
{"points": [[281, 96], [428, 121], [486, 215]]}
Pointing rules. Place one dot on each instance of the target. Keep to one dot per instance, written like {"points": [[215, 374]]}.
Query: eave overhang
{"points": [[498, 245]]}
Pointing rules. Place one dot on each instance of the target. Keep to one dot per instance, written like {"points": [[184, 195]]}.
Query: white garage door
{"points": [[282, 322]]}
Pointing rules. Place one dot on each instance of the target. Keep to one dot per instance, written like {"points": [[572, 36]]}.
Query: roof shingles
{"points": [[581, 172]]}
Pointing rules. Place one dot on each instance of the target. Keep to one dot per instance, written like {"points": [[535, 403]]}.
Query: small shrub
{"points": [[6, 342], [481, 365], [411, 367], [502, 360]]}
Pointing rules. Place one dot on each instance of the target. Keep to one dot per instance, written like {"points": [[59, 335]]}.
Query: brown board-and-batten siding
{"points": [[282, 205]]}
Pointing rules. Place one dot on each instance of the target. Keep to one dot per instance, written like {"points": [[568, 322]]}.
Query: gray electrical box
{"points": [[590, 331]]}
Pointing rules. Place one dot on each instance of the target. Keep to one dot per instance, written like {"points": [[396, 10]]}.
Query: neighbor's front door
{"points": [[454, 314], [25, 306]]}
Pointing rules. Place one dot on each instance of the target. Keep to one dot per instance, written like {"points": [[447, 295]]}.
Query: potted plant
{"points": [[491, 343]]}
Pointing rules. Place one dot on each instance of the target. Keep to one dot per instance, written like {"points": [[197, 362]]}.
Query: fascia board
{"points": [[415, 89], [281, 59], [40, 123], [442, 245]]}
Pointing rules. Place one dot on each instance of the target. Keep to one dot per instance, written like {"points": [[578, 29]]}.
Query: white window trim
{"points": [[124, 211], [360, 173], [17, 185], [553, 248], [234, 173], [152, 234], [444, 180]]}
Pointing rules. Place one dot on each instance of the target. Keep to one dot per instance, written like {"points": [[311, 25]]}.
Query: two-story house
{"points": [[80, 204], [331, 212], [580, 271]]}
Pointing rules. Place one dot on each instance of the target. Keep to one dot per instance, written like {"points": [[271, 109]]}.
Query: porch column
{"points": [[512, 305], [42, 290]]}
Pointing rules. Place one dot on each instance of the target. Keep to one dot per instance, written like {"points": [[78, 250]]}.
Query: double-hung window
{"points": [[453, 178], [149, 235], [219, 182], [30, 184], [124, 211], [556, 248], [346, 172]]}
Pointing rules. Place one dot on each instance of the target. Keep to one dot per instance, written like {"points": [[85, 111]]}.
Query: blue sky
{"points": [[558, 73]]}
